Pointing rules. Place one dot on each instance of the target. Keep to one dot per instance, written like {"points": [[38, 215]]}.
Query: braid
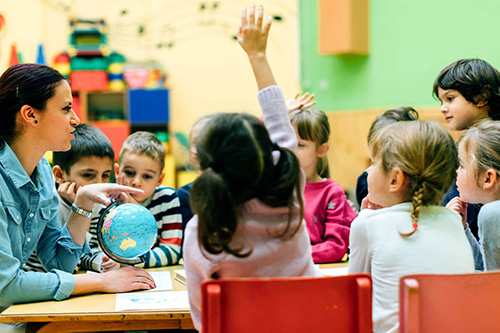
{"points": [[415, 211]]}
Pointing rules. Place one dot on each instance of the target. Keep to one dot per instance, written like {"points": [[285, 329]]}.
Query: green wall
{"points": [[410, 42]]}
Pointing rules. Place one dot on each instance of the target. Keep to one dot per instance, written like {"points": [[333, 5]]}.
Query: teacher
{"points": [[36, 116]]}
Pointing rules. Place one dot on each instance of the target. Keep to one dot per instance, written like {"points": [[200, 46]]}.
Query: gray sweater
{"points": [[487, 250]]}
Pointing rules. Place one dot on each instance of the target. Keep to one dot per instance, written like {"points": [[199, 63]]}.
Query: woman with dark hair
{"points": [[36, 116]]}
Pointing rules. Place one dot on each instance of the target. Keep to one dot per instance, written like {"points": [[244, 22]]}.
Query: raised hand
{"points": [[252, 37], [300, 102]]}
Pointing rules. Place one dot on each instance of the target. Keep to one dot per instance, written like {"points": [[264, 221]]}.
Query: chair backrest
{"points": [[326, 304], [450, 303]]}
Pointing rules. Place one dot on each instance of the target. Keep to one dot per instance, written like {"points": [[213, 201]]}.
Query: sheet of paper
{"points": [[163, 280], [163, 300], [334, 271]]}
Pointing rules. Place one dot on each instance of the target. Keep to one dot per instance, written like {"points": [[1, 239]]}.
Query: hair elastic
{"points": [[215, 166]]}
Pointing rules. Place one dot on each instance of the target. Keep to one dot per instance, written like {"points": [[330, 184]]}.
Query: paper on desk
{"points": [[164, 300], [163, 280]]}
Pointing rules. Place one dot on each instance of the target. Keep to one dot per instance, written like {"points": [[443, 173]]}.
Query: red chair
{"points": [[450, 303], [327, 304]]}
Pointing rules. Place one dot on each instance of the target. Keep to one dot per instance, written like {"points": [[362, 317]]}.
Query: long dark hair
{"points": [[235, 155], [24, 84]]}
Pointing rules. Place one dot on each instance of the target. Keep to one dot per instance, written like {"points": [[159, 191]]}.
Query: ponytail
{"points": [[282, 189], [216, 209]]}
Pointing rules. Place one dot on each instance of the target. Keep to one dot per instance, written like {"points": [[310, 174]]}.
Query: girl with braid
{"points": [[401, 229]]}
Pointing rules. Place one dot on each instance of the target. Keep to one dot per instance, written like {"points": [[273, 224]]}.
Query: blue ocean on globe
{"points": [[129, 230]]}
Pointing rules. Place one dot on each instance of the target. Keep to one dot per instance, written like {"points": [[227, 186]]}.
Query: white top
{"points": [[439, 246]]}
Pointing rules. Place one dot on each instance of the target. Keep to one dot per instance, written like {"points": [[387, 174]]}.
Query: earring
{"points": [[36, 121]]}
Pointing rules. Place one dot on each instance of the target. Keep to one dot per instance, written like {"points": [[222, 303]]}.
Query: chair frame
{"points": [[347, 296], [450, 302]]}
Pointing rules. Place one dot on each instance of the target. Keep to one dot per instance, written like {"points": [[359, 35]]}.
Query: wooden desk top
{"points": [[89, 307]]}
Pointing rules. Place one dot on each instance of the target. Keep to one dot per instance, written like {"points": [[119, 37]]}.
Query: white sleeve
{"points": [[360, 247]]}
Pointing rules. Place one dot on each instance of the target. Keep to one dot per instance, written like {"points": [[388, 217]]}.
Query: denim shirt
{"points": [[28, 222]]}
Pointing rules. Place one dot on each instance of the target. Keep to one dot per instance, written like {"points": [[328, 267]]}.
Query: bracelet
{"points": [[81, 211]]}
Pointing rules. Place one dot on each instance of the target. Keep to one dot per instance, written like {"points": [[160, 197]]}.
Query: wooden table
{"points": [[96, 312]]}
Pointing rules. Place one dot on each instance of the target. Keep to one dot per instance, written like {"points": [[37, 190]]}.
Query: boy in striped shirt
{"points": [[140, 165]]}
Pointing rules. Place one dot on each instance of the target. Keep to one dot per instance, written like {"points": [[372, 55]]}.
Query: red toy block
{"points": [[89, 80], [116, 131]]}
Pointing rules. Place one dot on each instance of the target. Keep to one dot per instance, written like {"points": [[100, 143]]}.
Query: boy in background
{"points": [[89, 161], [140, 165]]}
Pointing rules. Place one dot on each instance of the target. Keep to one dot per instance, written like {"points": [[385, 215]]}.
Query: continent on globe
{"points": [[127, 243]]}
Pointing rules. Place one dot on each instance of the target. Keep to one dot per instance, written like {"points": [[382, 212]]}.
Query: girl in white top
{"points": [[478, 181], [248, 199], [401, 230]]}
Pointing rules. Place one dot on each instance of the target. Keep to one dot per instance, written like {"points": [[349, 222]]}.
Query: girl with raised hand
{"points": [[413, 164], [328, 214], [248, 199], [36, 116]]}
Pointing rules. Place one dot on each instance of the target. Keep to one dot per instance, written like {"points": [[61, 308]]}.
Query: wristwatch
{"points": [[81, 211]]}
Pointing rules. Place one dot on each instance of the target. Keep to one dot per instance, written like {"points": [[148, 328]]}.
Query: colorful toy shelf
{"points": [[119, 113]]}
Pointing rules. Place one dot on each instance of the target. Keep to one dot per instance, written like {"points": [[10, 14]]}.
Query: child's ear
{"points": [[490, 179], [117, 169], [160, 180], [398, 180], [323, 149], [58, 174], [482, 99]]}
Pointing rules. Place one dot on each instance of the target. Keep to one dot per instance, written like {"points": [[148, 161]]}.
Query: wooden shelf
{"points": [[343, 27]]}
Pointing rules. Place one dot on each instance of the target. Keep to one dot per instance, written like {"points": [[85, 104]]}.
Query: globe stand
{"points": [[104, 248]]}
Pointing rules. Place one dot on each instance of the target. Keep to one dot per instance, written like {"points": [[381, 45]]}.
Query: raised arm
{"points": [[252, 36]]}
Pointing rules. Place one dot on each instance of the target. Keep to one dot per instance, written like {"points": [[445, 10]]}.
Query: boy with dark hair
{"points": [[89, 161]]}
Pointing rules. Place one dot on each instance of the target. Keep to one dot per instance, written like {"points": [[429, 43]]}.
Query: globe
{"points": [[126, 232]]}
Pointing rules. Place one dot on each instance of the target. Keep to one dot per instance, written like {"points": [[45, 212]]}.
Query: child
{"points": [[248, 198], [89, 161], [469, 90], [327, 213], [384, 119], [184, 192], [478, 181], [413, 164], [140, 165]]}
